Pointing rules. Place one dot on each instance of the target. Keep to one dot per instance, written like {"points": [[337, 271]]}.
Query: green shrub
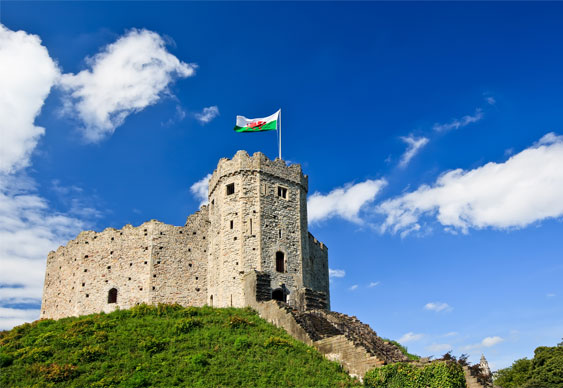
{"points": [[153, 346], [6, 360], [186, 325], [237, 321], [199, 360], [407, 375], [242, 343], [58, 373], [40, 354], [90, 354], [278, 342]]}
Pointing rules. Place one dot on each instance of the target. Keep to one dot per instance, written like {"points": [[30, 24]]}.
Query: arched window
{"points": [[280, 262], [112, 295], [278, 294]]}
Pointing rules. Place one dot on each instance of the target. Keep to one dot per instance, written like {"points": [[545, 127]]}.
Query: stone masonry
{"points": [[256, 220]]}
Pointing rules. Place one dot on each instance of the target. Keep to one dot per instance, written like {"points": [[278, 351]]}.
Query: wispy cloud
{"points": [[528, 187], [490, 100], [550, 295], [373, 284], [459, 123], [410, 337], [437, 307], [336, 273], [123, 78], [414, 145], [438, 348], [353, 287], [207, 114], [344, 202], [200, 189], [487, 342]]}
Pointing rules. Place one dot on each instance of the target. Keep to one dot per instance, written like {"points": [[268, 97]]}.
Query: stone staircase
{"points": [[338, 337]]}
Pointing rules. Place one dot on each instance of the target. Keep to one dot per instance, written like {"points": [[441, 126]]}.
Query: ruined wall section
{"points": [[80, 274], [179, 261], [316, 275]]}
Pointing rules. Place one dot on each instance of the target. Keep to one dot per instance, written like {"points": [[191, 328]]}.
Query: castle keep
{"points": [[249, 244]]}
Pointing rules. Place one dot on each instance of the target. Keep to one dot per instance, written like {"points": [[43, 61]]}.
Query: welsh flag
{"points": [[269, 123]]}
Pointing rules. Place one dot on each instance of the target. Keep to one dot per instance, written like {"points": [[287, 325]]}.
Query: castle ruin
{"points": [[250, 243]]}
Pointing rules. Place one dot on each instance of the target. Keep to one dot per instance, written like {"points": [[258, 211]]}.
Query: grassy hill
{"points": [[162, 346]]}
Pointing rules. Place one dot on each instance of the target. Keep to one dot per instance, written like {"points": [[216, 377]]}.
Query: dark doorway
{"points": [[112, 295], [280, 262], [278, 294]]}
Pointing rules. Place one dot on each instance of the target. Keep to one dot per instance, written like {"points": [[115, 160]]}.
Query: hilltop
{"points": [[165, 345]]}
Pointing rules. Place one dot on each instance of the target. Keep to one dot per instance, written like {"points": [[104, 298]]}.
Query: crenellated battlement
{"points": [[242, 162]]}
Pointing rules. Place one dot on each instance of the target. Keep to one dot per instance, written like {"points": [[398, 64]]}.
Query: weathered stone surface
{"points": [[206, 260]]}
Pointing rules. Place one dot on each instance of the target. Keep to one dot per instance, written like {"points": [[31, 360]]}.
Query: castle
{"points": [[249, 244]]}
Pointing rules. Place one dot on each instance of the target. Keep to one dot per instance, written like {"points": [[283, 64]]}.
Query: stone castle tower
{"points": [[250, 243]]}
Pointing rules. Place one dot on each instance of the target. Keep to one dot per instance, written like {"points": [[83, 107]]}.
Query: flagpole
{"points": [[280, 136]]}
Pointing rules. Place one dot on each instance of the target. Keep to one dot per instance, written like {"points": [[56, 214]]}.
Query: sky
{"points": [[431, 133]]}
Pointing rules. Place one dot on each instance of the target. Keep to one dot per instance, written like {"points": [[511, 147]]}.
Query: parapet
{"points": [[258, 163]]}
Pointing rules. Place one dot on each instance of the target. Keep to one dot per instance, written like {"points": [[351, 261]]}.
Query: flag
{"points": [[269, 123]]}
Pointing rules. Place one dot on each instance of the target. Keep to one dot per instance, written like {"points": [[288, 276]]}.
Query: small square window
{"points": [[230, 188], [282, 192]]}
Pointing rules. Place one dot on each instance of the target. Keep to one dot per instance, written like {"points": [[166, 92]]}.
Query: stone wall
{"points": [[206, 260], [145, 264]]}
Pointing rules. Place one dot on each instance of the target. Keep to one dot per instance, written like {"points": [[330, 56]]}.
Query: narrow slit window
{"points": [[251, 226], [280, 262], [282, 192], [232, 224], [230, 188]]}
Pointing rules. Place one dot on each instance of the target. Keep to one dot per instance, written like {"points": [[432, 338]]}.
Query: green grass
{"points": [[162, 346]]}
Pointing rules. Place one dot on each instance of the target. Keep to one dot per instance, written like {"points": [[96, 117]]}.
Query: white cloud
{"points": [[413, 146], [29, 229], [550, 295], [345, 202], [487, 342], [410, 337], [336, 273], [353, 287], [10, 317], [200, 189], [373, 284], [27, 74], [438, 348], [490, 100], [451, 334], [526, 188], [437, 306], [207, 114], [125, 77], [459, 123]]}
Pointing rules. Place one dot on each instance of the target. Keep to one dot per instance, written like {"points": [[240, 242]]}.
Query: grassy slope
{"points": [[162, 346]]}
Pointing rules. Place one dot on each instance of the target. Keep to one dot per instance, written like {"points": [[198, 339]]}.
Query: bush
{"points": [[186, 325], [90, 354], [199, 360], [438, 374], [237, 321], [242, 343], [153, 346], [278, 342], [58, 373], [5, 360]]}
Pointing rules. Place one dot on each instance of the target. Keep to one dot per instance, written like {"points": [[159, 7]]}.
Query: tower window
{"points": [[280, 262], [232, 224], [230, 188], [282, 192], [112, 295]]}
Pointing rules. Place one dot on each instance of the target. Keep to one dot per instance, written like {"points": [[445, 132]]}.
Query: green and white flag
{"points": [[269, 123]]}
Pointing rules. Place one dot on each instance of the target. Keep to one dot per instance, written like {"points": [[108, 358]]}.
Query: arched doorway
{"points": [[278, 294], [112, 295]]}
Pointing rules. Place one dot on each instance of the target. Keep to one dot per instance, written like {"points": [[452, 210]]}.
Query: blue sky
{"points": [[431, 134]]}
